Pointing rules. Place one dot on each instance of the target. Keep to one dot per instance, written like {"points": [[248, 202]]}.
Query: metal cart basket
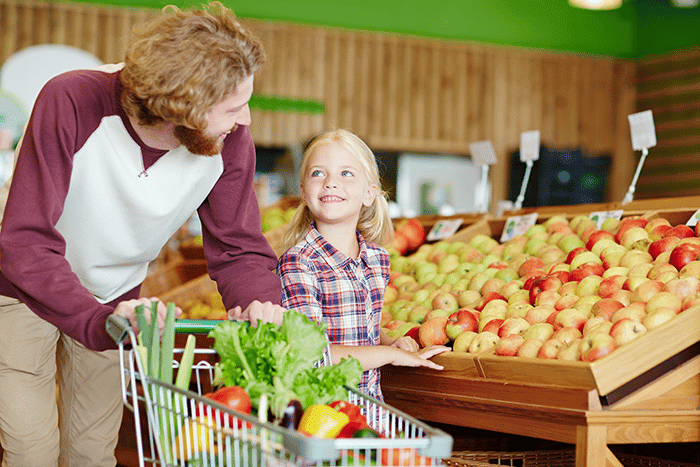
{"points": [[186, 429]]}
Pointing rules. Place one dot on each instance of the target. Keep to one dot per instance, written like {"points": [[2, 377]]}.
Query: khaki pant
{"points": [[81, 426]]}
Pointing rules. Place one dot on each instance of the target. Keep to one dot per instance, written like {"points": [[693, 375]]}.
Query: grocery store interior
{"points": [[422, 82]]}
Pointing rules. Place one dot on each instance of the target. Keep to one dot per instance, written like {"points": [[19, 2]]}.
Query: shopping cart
{"points": [[186, 429]]}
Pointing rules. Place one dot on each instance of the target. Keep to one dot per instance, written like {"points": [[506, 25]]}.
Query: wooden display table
{"points": [[657, 405]]}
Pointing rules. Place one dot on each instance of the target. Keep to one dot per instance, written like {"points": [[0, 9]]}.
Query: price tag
{"points": [[444, 229], [529, 145], [642, 130], [482, 153], [517, 225], [692, 222], [600, 216]]}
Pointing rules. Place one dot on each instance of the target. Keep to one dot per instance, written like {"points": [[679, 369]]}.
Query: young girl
{"points": [[334, 271]]}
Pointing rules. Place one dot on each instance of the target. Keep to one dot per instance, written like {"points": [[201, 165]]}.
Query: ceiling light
{"points": [[686, 3], [598, 4]]}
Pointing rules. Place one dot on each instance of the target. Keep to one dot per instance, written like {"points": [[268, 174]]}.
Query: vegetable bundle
{"points": [[280, 362]]}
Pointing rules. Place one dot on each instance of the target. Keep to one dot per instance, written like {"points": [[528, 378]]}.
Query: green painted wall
{"points": [[638, 28]]}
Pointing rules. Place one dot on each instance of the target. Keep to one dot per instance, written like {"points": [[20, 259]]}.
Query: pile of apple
{"points": [[566, 289]]}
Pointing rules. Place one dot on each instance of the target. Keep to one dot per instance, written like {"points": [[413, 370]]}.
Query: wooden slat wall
{"points": [[397, 92], [669, 85]]}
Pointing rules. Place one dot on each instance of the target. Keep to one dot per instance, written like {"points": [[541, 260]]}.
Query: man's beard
{"points": [[197, 142]]}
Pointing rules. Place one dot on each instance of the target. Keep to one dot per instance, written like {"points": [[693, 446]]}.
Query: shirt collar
{"points": [[335, 257]]}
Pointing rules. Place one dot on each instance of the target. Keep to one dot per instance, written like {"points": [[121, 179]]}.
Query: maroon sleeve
{"points": [[239, 258], [32, 250]]}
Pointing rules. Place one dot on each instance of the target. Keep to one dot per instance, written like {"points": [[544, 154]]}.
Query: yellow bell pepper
{"points": [[322, 421]]}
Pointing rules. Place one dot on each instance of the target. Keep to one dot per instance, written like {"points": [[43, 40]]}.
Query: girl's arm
{"points": [[375, 356]]}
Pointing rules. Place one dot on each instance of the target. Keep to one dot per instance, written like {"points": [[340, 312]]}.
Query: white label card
{"points": [[642, 130], [693, 219], [517, 225], [444, 229], [529, 145], [482, 152], [600, 216]]}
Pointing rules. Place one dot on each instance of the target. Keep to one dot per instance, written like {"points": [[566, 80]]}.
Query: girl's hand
{"points": [[420, 358], [408, 344]]}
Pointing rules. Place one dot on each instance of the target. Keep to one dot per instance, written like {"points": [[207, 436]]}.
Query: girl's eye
{"points": [[316, 173], [346, 173]]}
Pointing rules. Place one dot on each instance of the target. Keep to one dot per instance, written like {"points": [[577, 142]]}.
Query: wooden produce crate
{"points": [[172, 275]]}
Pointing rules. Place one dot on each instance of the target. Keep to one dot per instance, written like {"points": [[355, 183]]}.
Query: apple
{"points": [[460, 321], [540, 331], [602, 244], [448, 263], [609, 285], [570, 241], [616, 271], [612, 255], [683, 287], [510, 287], [406, 327], [517, 309], [627, 224], [507, 274], [402, 313], [445, 301], [596, 236], [543, 283], [586, 269], [509, 345], [635, 311], [432, 332], [663, 244], [468, 298], [530, 265], [585, 257], [560, 226], [606, 308], [626, 330], [656, 222], [596, 345], [632, 283], [418, 314], [593, 322], [489, 297], [566, 301], [658, 317], [571, 351], [492, 285], [633, 235], [550, 348], [622, 296], [519, 296], [547, 297], [463, 341], [690, 269], [494, 310], [586, 302], [386, 317], [589, 285], [414, 232], [533, 245], [646, 290], [529, 348], [633, 257], [569, 317], [483, 342], [585, 227], [512, 326], [567, 334], [690, 302], [568, 288], [664, 299], [641, 270], [478, 280], [539, 314], [683, 254], [662, 270], [610, 224], [680, 231], [492, 325], [574, 253]]}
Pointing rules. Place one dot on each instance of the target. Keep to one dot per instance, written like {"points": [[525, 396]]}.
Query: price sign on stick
{"points": [[693, 219], [600, 216], [642, 130], [529, 152], [444, 229], [643, 137], [529, 146], [517, 225], [483, 154]]}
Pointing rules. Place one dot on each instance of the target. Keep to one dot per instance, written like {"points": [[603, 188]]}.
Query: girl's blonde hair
{"points": [[181, 64], [374, 223]]}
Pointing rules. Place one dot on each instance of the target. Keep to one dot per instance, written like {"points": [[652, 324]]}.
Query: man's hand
{"points": [[267, 312], [127, 310]]}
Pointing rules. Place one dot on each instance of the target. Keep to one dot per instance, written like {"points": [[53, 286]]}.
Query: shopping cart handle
{"points": [[118, 328]]}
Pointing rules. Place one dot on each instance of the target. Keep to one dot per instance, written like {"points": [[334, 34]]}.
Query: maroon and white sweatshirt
{"points": [[83, 220]]}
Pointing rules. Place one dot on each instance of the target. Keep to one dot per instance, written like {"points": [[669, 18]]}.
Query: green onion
{"points": [[185, 372], [167, 345]]}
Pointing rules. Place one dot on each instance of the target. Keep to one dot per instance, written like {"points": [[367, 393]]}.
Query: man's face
{"points": [[223, 118]]}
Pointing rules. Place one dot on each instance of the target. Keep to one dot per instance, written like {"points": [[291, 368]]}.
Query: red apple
{"points": [[547, 297], [626, 330], [460, 321], [512, 326], [492, 325], [568, 317], [628, 223], [432, 332], [683, 287], [539, 314], [530, 265], [543, 283], [622, 296], [529, 348], [680, 231], [586, 269], [684, 254], [567, 334], [488, 298], [509, 345], [596, 236], [550, 348], [635, 311], [606, 308], [574, 253], [646, 290], [611, 284], [666, 300], [595, 346], [566, 301], [663, 244]]}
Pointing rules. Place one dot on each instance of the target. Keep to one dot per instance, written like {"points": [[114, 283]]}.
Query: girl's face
{"points": [[335, 186]]}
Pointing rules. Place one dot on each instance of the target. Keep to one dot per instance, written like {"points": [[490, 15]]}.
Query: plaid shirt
{"points": [[342, 292]]}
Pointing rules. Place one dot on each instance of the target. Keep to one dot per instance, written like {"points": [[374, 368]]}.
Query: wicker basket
{"points": [[559, 458]]}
